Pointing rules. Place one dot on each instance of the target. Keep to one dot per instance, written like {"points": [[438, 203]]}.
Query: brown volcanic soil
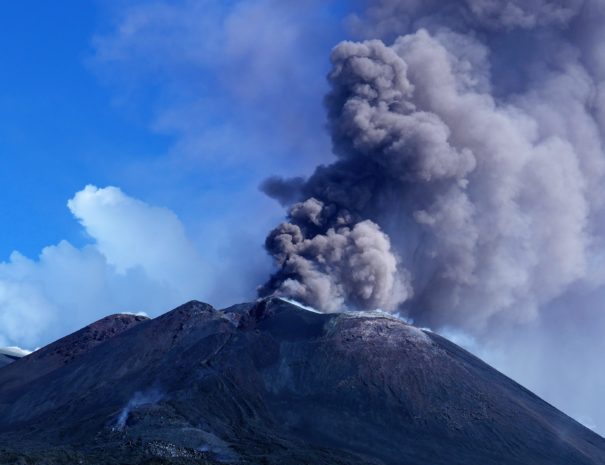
{"points": [[271, 383]]}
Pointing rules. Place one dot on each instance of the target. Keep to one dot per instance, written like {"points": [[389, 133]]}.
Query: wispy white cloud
{"points": [[225, 75], [15, 351]]}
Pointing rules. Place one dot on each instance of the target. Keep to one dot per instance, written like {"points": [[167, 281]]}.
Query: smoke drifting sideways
{"points": [[467, 189]]}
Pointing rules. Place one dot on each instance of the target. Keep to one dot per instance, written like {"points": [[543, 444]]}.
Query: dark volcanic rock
{"points": [[272, 383], [65, 350]]}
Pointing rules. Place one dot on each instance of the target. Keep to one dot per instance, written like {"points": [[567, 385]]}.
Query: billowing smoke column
{"points": [[467, 188]]}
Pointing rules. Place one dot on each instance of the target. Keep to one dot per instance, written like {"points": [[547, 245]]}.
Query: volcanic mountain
{"points": [[271, 382]]}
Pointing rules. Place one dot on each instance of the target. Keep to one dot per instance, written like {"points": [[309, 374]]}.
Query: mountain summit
{"points": [[272, 382]]}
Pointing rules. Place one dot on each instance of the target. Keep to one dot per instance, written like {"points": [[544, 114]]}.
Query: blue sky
{"points": [[70, 118], [184, 106], [50, 109], [59, 128]]}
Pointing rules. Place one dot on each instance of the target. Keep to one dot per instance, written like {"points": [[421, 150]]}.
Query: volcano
{"points": [[272, 382]]}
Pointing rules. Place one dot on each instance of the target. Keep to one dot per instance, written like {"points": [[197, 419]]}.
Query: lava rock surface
{"points": [[273, 383]]}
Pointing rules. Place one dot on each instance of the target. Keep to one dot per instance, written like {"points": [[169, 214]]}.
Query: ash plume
{"points": [[388, 18], [342, 264], [467, 185]]}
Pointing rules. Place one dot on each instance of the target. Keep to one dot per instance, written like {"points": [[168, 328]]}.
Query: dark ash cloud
{"points": [[476, 193], [330, 261], [285, 191]]}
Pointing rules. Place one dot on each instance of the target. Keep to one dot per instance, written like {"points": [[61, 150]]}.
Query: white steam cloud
{"points": [[140, 259]]}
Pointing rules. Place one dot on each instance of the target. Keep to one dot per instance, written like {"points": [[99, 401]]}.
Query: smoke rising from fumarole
{"points": [[466, 188], [151, 396]]}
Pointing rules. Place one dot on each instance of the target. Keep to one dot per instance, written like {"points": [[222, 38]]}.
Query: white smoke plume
{"points": [[139, 399], [139, 257], [469, 164]]}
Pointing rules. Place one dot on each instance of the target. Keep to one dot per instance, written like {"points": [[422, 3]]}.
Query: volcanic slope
{"points": [[273, 383]]}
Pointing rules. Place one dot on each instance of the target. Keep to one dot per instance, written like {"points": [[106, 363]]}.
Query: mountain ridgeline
{"points": [[271, 382], [8, 355]]}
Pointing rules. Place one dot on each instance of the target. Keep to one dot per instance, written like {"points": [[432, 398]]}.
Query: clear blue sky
{"points": [[58, 127]]}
